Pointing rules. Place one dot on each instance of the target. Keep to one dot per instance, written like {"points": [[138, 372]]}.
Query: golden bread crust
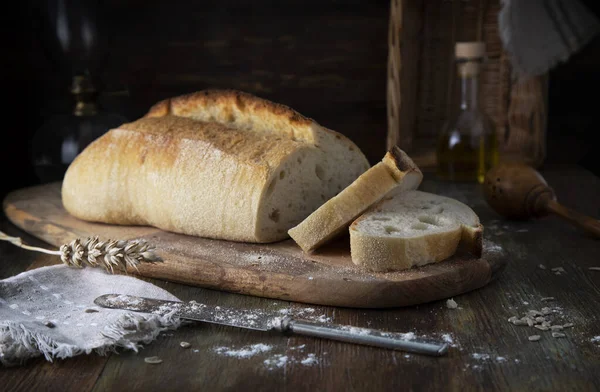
{"points": [[187, 103]]}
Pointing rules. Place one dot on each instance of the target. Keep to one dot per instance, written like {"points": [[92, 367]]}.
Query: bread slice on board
{"points": [[413, 228], [240, 169], [396, 170]]}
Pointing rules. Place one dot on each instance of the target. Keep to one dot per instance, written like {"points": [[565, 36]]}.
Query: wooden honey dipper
{"points": [[518, 191]]}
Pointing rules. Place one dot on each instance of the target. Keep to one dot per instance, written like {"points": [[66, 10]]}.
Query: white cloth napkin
{"points": [[59, 296], [540, 34]]}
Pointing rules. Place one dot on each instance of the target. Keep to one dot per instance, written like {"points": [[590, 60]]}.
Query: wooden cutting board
{"points": [[279, 270]]}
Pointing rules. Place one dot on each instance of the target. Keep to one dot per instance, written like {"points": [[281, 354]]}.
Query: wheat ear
{"points": [[109, 254]]}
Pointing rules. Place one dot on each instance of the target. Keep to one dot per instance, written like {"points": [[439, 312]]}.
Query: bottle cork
{"points": [[469, 50], [469, 55]]}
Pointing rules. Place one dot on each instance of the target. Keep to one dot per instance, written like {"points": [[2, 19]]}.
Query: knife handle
{"points": [[364, 336]]}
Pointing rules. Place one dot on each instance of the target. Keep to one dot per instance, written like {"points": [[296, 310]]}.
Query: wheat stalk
{"points": [[109, 254]]}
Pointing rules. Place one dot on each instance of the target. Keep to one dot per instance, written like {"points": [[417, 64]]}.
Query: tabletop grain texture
{"points": [[488, 353]]}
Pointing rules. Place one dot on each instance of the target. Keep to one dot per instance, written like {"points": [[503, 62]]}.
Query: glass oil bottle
{"points": [[467, 145]]}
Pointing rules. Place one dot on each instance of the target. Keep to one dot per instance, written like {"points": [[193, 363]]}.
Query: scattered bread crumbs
{"points": [[153, 360], [451, 304], [540, 319], [558, 270], [547, 299], [542, 266], [534, 338]]}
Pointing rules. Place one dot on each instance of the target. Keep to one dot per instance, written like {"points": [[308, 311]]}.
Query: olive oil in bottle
{"points": [[467, 145]]}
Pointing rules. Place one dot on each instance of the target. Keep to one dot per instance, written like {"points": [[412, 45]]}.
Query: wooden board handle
{"points": [[590, 225]]}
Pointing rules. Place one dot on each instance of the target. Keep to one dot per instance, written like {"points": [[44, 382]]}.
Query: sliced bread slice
{"points": [[413, 228], [396, 170]]}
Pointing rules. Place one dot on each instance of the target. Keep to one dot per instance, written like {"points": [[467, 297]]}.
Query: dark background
{"points": [[326, 59]]}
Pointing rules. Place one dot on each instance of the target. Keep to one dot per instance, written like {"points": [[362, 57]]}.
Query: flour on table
{"points": [[244, 352], [491, 247], [451, 304], [278, 360], [447, 338], [271, 359], [486, 360], [309, 360]]}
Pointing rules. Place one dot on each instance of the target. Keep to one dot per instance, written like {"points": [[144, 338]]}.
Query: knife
{"points": [[262, 321]]}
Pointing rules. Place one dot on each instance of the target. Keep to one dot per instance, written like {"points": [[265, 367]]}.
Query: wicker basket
{"points": [[422, 76]]}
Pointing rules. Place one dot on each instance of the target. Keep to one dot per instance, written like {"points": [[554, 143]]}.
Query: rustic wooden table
{"points": [[488, 353]]}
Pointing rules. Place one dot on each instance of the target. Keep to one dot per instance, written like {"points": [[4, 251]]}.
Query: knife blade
{"points": [[265, 321]]}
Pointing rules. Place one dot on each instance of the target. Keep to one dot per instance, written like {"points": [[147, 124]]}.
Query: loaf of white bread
{"points": [[218, 164]]}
